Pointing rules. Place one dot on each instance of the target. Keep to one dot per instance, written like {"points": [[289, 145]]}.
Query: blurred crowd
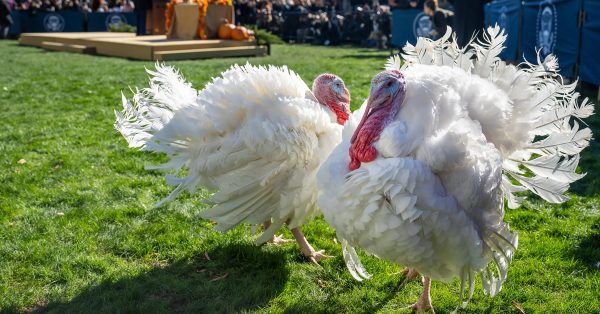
{"points": [[74, 5], [329, 22], [359, 22], [366, 23]]}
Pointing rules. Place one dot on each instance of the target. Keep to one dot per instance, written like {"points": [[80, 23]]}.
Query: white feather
{"points": [[254, 135], [472, 130], [538, 102], [568, 141]]}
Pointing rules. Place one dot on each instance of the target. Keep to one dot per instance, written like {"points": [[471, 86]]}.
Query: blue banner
{"points": [[507, 14], [590, 43], [551, 27], [409, 24], [60, 21], [15, 28], [100, 22]]}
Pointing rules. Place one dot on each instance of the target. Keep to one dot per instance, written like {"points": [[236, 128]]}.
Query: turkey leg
{"points": [[306, 249], [276, 239], [424, 303], [409, 274]]}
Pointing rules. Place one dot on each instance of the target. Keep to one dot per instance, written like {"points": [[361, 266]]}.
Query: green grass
{"points": [[78, 232]]}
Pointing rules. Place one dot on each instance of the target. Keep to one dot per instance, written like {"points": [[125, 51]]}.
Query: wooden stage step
{"points": [[36, 39], [210, 53], [155, 47], [67, 47]]}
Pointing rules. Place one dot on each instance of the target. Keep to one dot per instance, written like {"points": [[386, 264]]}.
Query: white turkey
{"points": [[255, 135], [443, 140]]}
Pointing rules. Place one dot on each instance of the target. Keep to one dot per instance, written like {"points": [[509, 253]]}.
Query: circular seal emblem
{"points": [[422, 25], [115, 19], [54, 22], [503, 19], [546, 28]]}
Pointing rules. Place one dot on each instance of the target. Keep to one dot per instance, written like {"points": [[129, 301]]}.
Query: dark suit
{"points": [[141, 6], [468, 18], [5, 19], [439, 23]]}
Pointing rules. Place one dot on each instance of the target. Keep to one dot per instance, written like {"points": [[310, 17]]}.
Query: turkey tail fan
{"points": [[152, 108], [487, 51], [546, 162], [429, 52], [541, 143], [145, 123]]}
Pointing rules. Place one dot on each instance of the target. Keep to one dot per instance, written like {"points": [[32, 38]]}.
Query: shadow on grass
{"points": [[237, 277], [340, 305], [365, 56], [587, 251]]}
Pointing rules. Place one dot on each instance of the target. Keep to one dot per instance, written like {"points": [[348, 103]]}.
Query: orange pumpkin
{"points": [[240, 33], [225, 29]]}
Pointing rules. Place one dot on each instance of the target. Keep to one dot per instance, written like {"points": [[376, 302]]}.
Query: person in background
{"points": [[5, 19], [85, 8], [47, 6], [439, 18], [69, 5], [103, 7], [302, 27], [127, 6], [468, 19], [140, 9]]}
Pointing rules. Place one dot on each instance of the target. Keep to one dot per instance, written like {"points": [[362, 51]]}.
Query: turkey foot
{"points": [[276, 239], [424, 303], [306, 249], [409, 275]]}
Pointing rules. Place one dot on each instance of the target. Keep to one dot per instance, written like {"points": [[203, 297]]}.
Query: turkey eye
{"points": [[388, 84]]}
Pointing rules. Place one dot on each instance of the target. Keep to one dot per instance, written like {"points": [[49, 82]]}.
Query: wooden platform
{"points": [[155, 47]]}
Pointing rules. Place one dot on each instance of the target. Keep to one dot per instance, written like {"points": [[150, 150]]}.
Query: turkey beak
{"points": [[345, 96]]}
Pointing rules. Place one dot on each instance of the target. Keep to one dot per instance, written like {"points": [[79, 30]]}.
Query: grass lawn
{"points": [[78, 231]]}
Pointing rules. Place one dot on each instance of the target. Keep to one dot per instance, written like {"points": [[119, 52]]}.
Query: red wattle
{"points": [[354, 164], [361, 149], [342, 114], [357, 156]]}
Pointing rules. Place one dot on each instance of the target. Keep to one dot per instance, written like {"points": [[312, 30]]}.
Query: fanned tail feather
{"points": [[488, 50], [149, 113], [152, 108], [442, 52], [544, 140], [546, 164]]}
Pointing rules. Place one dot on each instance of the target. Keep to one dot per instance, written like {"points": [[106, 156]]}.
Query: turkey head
{"points": [[388, 89], [331, 92]]}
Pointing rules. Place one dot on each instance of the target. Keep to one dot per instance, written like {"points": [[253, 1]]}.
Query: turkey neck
{"points": [[369, 129]]}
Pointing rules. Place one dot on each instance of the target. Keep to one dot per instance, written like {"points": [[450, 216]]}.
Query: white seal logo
{"points": [[115, 19], [54, 23], [546, 28], [422, 25]]}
